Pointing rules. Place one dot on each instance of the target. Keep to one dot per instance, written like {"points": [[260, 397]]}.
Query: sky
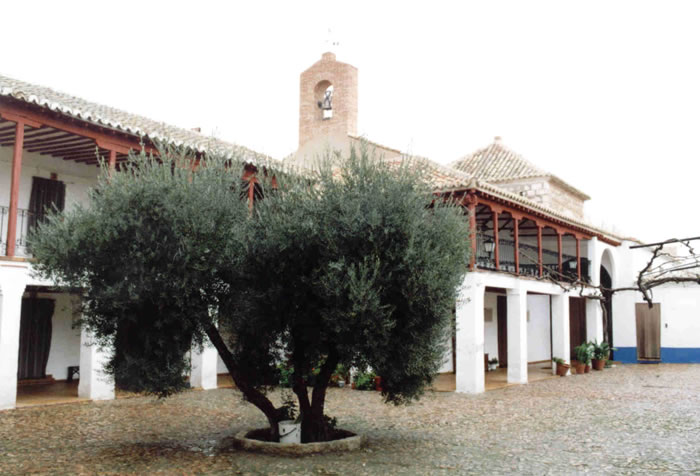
{"points": [[603, 94]]}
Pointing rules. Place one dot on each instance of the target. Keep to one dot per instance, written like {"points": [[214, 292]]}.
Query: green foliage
{"points": [[146, 250], [365, 381], [359, 265], [559, 361], [584, 352], [601, 351]]}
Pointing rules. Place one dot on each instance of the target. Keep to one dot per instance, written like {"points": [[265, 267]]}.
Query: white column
{"points": [[594, 320], [94, 383], [12, 284], [204, 361], [470, 336], [561, 343], [517, 335], [594, 253]]}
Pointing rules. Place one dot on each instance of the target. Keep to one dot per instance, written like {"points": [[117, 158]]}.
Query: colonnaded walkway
{"points": [[631, 419]]}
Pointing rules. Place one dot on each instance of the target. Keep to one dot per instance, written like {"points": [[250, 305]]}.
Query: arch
{"points": [[323, 96], [607, 261]]}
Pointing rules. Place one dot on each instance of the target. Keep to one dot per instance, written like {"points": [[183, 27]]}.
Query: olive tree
{"points": [[357, 264]]}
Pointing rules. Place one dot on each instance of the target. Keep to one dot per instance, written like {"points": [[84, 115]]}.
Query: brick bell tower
{"points": [[327, 101]]}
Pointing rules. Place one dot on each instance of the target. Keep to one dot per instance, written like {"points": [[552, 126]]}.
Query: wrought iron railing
{"points": [[25, 221], [528, 260]]}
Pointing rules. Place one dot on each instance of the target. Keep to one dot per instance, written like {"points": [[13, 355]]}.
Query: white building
{"points": [[512, 305]]}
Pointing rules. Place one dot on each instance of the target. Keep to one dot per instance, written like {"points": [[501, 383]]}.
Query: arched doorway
{"points": [[606, 283]]}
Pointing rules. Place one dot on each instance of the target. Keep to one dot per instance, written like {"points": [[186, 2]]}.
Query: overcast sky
{"points": [[604, 94]]}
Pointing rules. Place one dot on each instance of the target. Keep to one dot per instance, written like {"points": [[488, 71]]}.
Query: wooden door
{"points": [[648, 331], [577, 323], [502, 318], [35, 331]]}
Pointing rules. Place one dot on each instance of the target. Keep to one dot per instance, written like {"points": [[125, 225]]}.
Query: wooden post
{"points": [[516, 250], [496, 256], [559, 249], [14, 189], [539, 249], [112, 161], [578, 258], [471, 206]]}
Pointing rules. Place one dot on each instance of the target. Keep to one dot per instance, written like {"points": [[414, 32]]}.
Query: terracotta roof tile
{"points": [[498, 164], [122, 121]]}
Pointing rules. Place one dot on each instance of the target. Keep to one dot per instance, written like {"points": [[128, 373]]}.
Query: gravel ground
{"points": [[630, 419]]}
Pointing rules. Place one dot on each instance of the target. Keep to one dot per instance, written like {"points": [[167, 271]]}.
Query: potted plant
{"points": [[493, 364], [562, 367], [365, 381], [601, 352], [583, 357]]}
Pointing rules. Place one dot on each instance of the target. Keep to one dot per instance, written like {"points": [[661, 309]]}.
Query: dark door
{"points": [[34, 338], [502, 317], [46, 194], [648, 331], [577, 323]]}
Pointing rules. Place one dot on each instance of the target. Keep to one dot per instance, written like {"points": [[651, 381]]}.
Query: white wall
{"points": [[538, 328]]}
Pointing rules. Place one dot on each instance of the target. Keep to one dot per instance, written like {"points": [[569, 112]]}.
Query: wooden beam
{"points": [[471, 202], [496, 255], [516, 246], [578, 258], [539, 251], [112, 162], [126, 143], [17, 117], [14, 189], [40, 146], [561, 261]]}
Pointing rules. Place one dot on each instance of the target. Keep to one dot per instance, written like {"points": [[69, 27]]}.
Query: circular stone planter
{"points": [[351, 442]]}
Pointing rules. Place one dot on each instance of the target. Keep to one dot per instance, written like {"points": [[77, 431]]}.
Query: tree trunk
{"points": [[319, 429], [251, 394]]}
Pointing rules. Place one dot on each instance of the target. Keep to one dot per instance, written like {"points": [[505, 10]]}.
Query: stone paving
{"points": [[630, 419]]}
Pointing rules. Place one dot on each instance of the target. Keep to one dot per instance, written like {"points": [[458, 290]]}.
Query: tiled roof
{"points": [[496, 191], [110, 117], [498, 164]]}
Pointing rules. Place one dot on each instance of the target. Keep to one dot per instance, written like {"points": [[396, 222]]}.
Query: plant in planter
{"points": [[365, 381], [493, 364], [340, 376], [584, 353], [601, 352], [562, 367]]}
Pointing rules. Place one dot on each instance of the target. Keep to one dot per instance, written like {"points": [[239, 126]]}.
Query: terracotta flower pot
{"points": [[598, 364], [378, 384], [588, 368], [580, 368], [562, 369]]}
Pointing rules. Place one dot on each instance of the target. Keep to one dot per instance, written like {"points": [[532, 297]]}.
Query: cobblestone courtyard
{"points": [[631, 419]]}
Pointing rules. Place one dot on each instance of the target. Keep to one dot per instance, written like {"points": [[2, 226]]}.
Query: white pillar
{"points": [[561, 343], [594, 253], [470, 336], [594, 320], [12, 284], [94, 383], [517, 335], [204, 362]]}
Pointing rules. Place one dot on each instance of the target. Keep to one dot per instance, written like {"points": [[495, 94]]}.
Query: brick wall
{"points": [[313, 83]]}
